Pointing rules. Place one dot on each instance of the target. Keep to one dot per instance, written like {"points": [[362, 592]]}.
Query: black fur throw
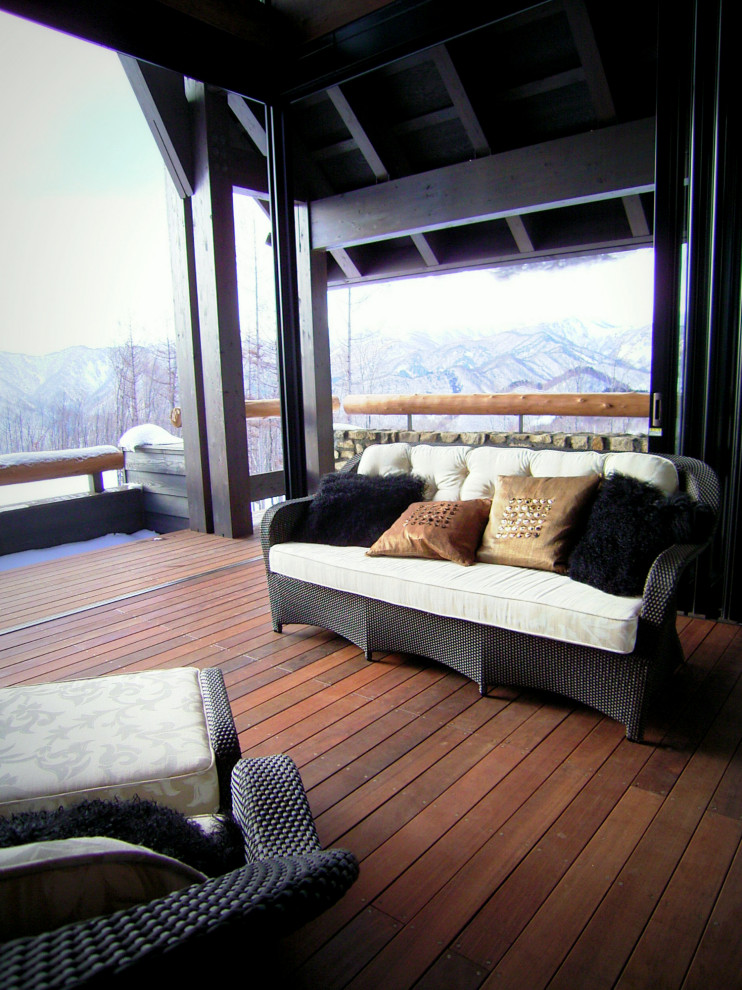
{"points": [[353, 510], [142, 823], [630, 524]]}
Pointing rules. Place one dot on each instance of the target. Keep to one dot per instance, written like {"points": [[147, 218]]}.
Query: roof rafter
{"points": [[364, 144], [460, 99], [358, 133], [520, 235]]}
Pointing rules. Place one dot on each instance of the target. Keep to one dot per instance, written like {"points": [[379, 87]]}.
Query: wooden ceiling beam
{"points": [[460, 100], [520, 235], [600, 93], [589, 55], [612, 162], [358, 133], [387, 269], [162, 99], [425, 250], [540, 86], [373, 159], [346, 264], [250, 121], [636, 216]]}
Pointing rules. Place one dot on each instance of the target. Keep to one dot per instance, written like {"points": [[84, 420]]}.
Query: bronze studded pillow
{"points": [[535, 522], [436, 530]]}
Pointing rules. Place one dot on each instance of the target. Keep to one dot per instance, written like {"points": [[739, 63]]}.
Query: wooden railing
{"points": [[254, 409], [44, 465], [613, 404]]}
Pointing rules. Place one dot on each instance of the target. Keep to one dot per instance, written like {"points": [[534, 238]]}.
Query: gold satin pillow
{"points": [[535, 522], [437, 531]]}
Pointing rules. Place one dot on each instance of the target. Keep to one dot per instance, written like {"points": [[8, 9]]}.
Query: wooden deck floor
{"points": [[511, 841]]}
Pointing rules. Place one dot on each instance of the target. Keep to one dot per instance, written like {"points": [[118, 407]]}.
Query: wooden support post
{"points": [[190, 369], [218, 314], [315, 354]]}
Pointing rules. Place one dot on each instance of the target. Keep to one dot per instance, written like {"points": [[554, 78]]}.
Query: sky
{"points": [[617, 290], [83, 242], [83, 232]]}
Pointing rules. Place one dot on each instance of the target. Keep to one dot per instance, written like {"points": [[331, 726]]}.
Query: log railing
{"points": [[45, 465], [254, 409], [613, 404]]}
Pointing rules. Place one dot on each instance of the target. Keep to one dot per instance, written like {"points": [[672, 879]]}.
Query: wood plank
{"points": [[545, 941], [611, 162], [497, 836], [50, 588], [667, 945], [627, 907], [718, 960], [508, 912]]}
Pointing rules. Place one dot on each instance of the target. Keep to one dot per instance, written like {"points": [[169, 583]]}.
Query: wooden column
{"points": [[218, 313], [315, 354], [162, 99], [190, 370]]}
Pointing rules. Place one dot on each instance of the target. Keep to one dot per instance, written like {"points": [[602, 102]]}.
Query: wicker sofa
{"points": [[478, 620], [186, 935]]}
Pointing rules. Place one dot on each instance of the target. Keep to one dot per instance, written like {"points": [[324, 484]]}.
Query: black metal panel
{"points": [[723, 439], [287, 300], [673, 120], [710, 394], [702, 198]]}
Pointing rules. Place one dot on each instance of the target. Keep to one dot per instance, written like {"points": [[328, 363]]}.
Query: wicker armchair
{"points": [[286, 881]]}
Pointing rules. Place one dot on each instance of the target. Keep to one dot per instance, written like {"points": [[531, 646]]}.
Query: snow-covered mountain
{"points": [[568, 357], [83, 395], [78, 396]]}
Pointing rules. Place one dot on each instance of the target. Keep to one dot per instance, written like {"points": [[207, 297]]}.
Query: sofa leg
{"points": [[369, 653], [278, 627], [483, 690]]}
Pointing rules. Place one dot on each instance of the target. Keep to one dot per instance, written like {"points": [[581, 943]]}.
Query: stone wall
{"points": [[348, 443]]}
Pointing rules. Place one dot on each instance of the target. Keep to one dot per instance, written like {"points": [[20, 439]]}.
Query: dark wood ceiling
{"points": [[560, 96]]}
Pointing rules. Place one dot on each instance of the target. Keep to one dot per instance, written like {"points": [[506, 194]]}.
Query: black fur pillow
{"points": [[353, 510], [143, 823], [630, 524]]}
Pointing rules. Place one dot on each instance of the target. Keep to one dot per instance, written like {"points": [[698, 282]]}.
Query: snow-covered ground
{"points": [[27, 557]]}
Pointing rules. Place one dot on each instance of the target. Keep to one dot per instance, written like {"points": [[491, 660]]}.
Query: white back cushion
{"points": [[453, 472], [646, 467], [385, 458], [443, 469]]}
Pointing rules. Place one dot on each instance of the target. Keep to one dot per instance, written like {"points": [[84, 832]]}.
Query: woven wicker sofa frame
{"points": [[287, 880], [618, 685]]}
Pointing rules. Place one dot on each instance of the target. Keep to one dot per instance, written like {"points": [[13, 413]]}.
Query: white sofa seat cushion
{"points": [[537, 602], [129, 734]]}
